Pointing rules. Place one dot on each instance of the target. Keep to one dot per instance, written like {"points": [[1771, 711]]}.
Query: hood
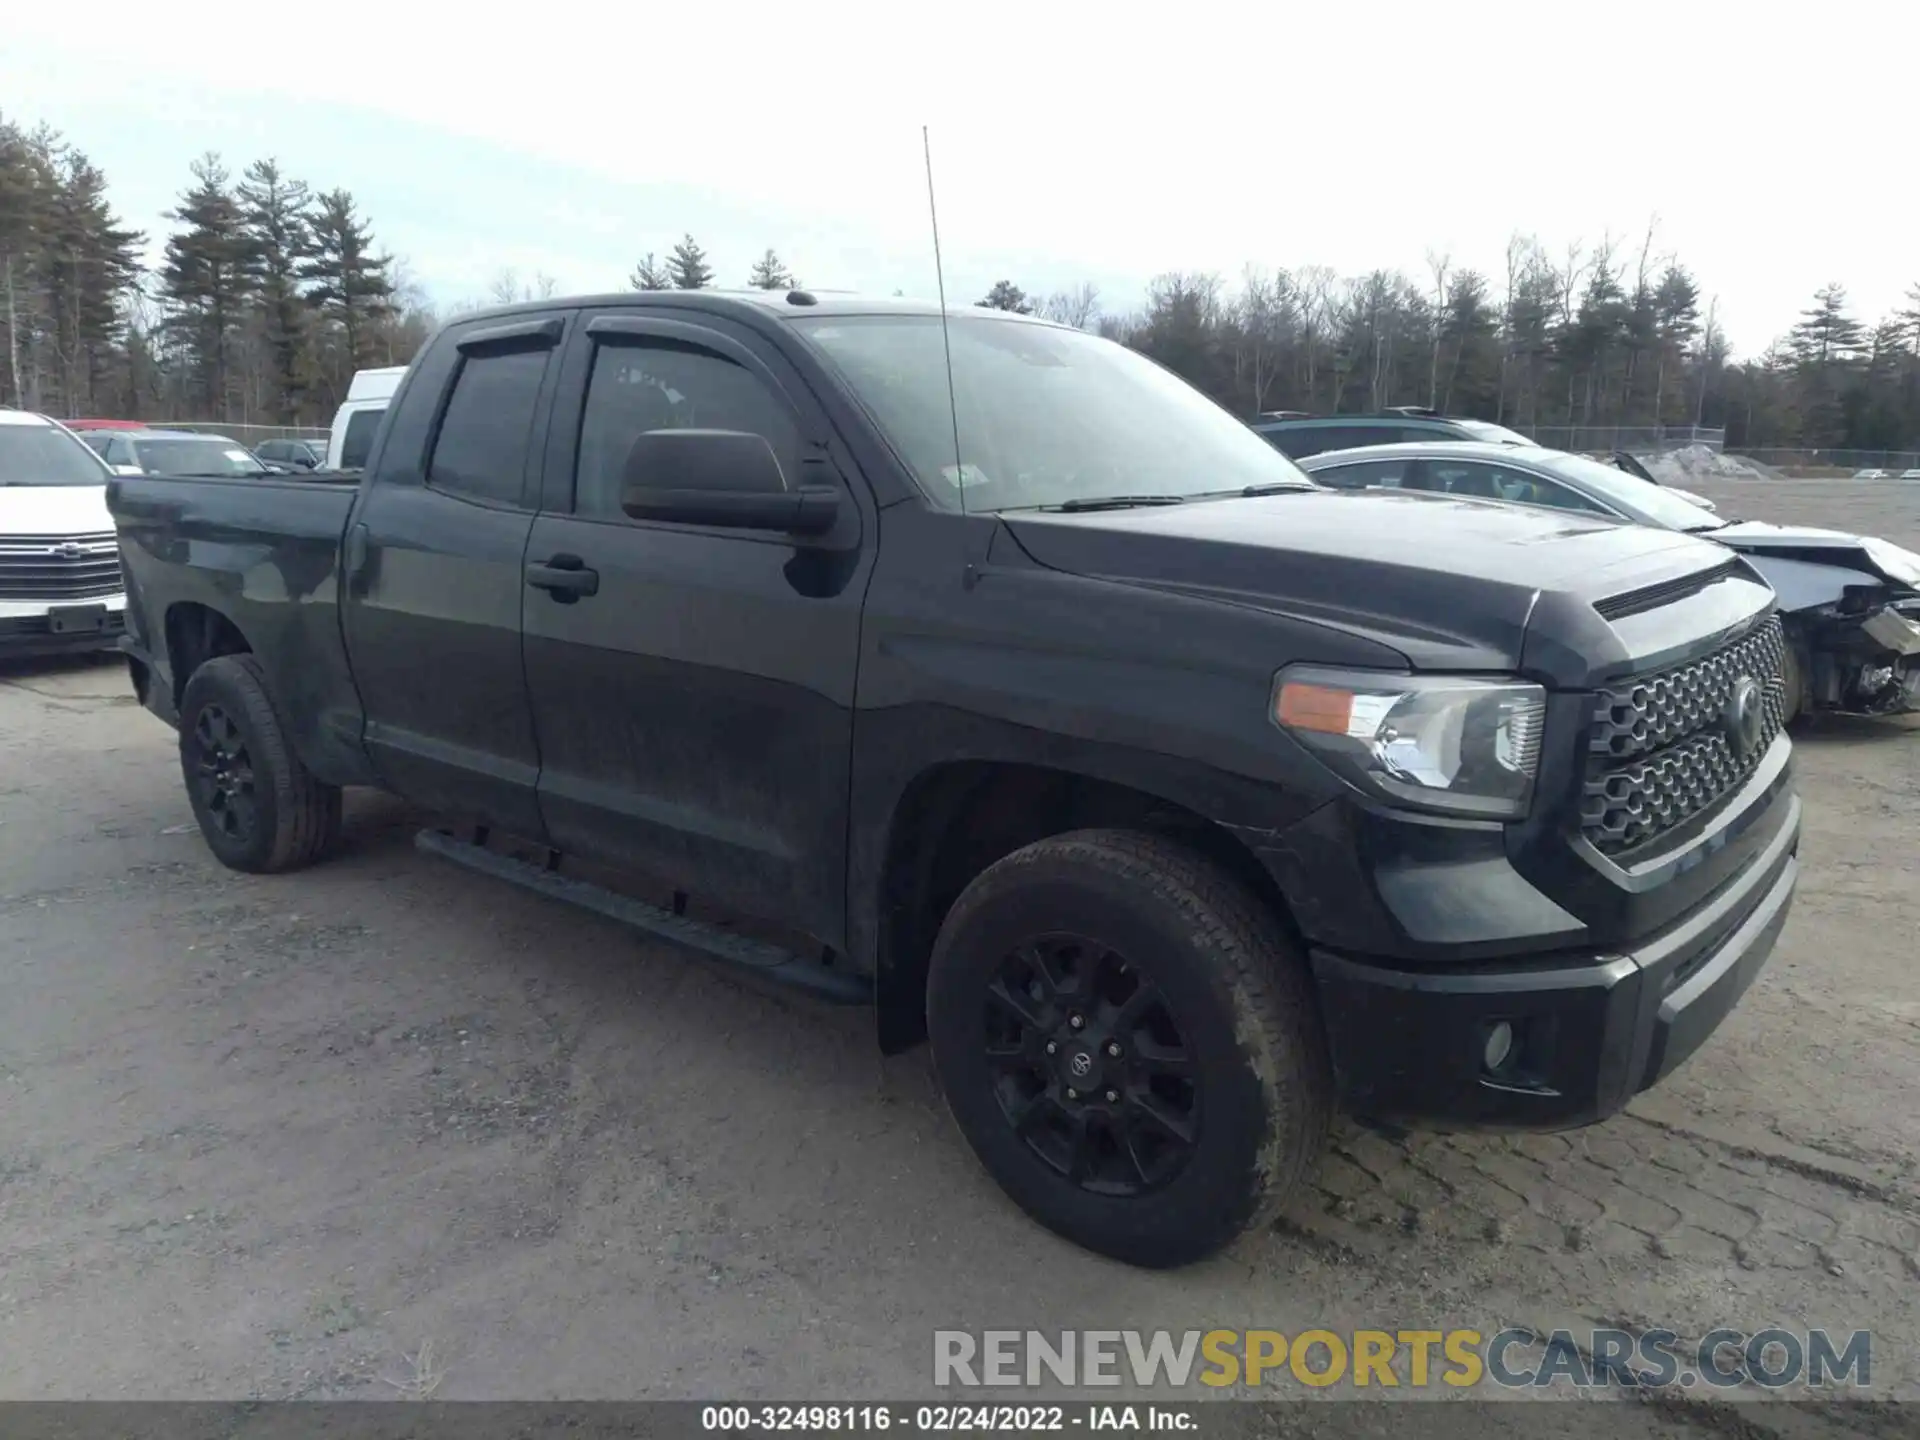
{"points": [[1448, 582], [1799, 551], [1893, 564], [55, 509], [1690, 497]]}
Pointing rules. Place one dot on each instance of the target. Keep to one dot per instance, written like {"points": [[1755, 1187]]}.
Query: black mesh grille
{"points": [[1661, 752]]}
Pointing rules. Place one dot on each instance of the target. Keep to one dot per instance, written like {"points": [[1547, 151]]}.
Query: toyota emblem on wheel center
{"points": [[1081, 1063]]}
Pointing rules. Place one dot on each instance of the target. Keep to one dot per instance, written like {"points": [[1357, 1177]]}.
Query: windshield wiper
{"points": [[1114, 502], [1254, 492]]}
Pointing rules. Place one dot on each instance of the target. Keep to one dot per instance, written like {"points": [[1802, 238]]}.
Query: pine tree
{"points": [[650, 274], [770, 274], [1817, 371], [26, 189], [348, 284], [1826, 334], [1676, 323], [209, 277], [1909, 319], [688, 266], [89, 261], [1469, 344], [274, 212], [1005, 295]]}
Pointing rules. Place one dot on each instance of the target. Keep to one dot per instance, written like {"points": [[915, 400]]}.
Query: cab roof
{"points": [[781, 304]]}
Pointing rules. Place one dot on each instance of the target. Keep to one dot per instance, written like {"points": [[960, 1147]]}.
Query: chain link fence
{"points": [[1640, 439]]}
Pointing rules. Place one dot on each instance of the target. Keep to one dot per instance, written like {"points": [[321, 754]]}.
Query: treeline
{"points": [[1584, 338], [269, 294]]}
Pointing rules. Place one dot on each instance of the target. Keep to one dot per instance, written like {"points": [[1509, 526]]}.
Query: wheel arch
{"points": [[196, 633], [956, 818]]}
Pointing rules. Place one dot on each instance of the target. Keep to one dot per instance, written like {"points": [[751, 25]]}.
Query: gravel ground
{"points": [[384, 1128]]}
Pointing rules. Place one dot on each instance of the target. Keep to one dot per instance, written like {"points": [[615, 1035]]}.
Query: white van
{"points": [[356, 420], [60, 586]]}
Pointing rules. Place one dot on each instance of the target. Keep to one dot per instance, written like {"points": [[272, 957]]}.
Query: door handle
{"points": [[565, 577]]}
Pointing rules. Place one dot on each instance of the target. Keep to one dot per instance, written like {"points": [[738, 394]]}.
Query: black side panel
{"points": [[263, 555], [695, 711], [434, 629], [433, 599], [1165, 694]]}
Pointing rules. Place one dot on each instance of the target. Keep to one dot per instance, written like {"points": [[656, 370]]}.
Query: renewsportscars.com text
{"points": [[1412, 1359]]}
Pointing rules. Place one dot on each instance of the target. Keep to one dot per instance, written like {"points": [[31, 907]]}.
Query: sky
{"points": [[1070, 143]]}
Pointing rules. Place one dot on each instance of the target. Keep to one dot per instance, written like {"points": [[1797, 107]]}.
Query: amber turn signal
{"points": [[1320, 708]]}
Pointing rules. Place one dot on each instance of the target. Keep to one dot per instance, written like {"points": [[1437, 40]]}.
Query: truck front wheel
{"points": [[1129, 1041], [259, 807]]}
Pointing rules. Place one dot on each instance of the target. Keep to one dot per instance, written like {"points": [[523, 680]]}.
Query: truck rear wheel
{"points": [[259, 807], [1130, 1043]]}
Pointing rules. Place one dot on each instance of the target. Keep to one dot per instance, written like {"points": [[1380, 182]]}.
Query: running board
{"points": [[759, 959]]}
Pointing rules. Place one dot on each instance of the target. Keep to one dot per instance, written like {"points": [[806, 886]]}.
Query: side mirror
{"points": [[724, 478], [128, 470]]}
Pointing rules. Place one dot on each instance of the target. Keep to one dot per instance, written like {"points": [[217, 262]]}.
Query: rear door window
{"points": [[481, 450]]}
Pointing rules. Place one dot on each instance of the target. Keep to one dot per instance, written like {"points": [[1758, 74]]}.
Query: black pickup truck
{"points": [[991, 675]]}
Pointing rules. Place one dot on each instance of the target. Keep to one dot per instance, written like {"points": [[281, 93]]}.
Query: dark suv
{"points": [[1299, 435]]}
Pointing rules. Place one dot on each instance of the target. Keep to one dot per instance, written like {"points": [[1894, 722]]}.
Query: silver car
{"points": [[1851, 603]]}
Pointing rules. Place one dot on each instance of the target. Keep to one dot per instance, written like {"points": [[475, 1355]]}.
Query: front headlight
{"points": [[1431, 742], [1898, 564]]}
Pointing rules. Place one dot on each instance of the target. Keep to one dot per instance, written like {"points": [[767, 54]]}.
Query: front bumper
{"points": [[1589, 1031], [25, 635]]}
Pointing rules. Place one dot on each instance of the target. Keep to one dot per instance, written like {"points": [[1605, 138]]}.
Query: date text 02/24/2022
{"points": [[943, 1419]]}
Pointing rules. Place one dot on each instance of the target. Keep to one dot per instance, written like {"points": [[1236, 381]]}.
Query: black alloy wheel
{"points": [[222, 773], [1091, 1068], [1130, 1041], [260, 809]]}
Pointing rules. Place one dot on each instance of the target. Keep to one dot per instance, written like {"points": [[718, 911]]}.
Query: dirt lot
{"points": [[279, 1137]]}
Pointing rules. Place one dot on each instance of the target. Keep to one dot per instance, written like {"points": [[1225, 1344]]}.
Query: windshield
{"points": [[1046, 416], [1644, 500], [37, 454], [1494, 434], [182, 455]]}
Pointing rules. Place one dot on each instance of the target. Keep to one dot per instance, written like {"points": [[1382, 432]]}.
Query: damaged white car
{"points": [[1850, 603]]}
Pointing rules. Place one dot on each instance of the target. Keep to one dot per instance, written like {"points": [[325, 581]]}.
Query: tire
{"points": [[259, 808], [1087, 924]]}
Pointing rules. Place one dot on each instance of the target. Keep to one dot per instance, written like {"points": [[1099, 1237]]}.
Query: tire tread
{"points": [[306, 811], [1272, 995]]}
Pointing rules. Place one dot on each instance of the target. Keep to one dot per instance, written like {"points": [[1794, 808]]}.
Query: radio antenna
{"points": [[946, 342]]}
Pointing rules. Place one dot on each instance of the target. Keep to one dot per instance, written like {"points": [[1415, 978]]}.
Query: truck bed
{"points": [[265, 554]]}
